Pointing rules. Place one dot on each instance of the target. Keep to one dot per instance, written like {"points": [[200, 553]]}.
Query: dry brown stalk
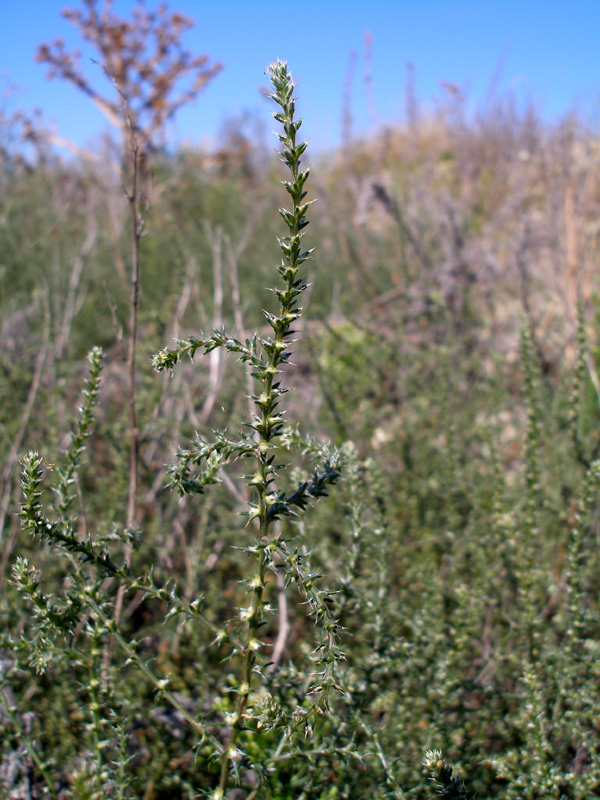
{"points": [[145, 59], [572, 255]]}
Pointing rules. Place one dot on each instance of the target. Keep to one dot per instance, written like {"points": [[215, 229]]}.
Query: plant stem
{"points": [[137, 227], [268, 422], [136, 234], [158, 684]]}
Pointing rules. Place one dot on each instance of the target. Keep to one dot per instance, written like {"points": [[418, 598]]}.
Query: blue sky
{"points": [[546, 51]]}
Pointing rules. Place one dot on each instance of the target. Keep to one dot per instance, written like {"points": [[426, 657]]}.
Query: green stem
{"points": [[268, 423], [158, 684]]}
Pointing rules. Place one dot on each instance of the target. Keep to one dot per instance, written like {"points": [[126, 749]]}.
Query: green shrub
{"points": [[444, 600]]}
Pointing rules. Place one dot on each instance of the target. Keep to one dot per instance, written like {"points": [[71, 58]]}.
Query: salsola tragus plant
{"points": [[266, 357], [78, 625]]}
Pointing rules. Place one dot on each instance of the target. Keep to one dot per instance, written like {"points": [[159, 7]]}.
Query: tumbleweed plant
{"points": [[266, 357], [226, 735]]}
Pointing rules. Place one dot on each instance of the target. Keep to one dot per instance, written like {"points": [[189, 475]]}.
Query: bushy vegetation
{"points": [[371, 568]]}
